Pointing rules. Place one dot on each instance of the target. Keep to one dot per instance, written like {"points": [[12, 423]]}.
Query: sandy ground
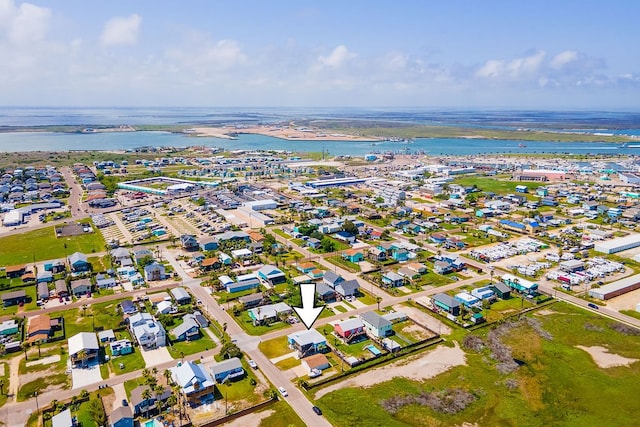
{"points": [[252, 419], [627, 301], [278, 132], [420, 367], [424, 319], [604, 359]]}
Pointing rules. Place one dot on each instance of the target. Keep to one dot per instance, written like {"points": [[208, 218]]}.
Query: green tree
{"points": [[146, 395], [350, 227], [230, 349], [96, 409], [327, 245]]}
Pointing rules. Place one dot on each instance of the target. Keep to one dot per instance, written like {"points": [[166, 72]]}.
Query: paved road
{"points": [[249, 345], [76, 192]]}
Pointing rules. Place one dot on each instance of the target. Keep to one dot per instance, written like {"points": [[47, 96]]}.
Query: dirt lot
{"points": [[418, 367], [604, 359], [627, 301], [424, 319]]}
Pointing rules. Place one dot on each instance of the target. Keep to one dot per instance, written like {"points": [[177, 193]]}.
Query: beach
{"points": [[287, 133]]}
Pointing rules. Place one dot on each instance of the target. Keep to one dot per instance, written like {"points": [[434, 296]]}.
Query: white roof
{"points": [[83, 341], [63, 419], [615, 243]]}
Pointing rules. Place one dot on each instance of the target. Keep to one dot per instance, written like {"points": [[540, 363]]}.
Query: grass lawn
{"points": [[631, 313], [288, 363], [275, 347], [131, 384], [356, 349], [557, 383], [341, 262], [102, 314], [52, 350], [497, 186], [366, 298], [340, 308], [433, 279], [236, 391], [44, 245], [5, 383], [27, 390], [280, 233], [284, 415], [504, 307], [246, 323], [132, 362], [99, 263], [191, 347]]}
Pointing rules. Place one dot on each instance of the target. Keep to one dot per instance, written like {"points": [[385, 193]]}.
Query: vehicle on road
{"points": [[317, 410], [592, 305], [253, 364], [124, 402], [283, 392]]}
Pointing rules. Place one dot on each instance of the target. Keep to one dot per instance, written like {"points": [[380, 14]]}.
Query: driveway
{"points": [[156, 356], [82, 377], [120, 394]]}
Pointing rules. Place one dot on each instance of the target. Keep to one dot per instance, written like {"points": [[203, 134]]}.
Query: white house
{"points": [[147, 330]]}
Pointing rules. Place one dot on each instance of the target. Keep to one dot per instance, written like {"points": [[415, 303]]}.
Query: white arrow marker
{"points": [[308, 313]]}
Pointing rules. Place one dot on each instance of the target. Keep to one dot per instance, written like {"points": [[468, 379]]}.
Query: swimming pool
{"points": [[374, 350], [153, 423]]}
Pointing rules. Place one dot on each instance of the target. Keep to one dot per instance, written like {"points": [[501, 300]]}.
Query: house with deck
{"points": [[227, 370], [349, 329], [307, 342]]}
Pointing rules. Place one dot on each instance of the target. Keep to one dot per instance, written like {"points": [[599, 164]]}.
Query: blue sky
{"points": [[496, 54]]}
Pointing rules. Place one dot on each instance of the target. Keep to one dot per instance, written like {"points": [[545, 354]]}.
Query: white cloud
{"points": [[517, 68], [563, 58], [338, 57], [120, 31], [25, 24]]}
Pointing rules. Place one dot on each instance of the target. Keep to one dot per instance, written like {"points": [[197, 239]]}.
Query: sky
{"points": [[332, 53]]}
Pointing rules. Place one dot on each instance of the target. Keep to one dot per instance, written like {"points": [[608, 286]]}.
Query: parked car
{"points": [[253, 364], [317, 410], [283, 392], [124, 402]]}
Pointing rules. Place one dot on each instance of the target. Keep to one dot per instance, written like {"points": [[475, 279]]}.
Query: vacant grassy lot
{"points": [[179, 348], [275, 347], [284, 415], [42, 244], [498, 186], [555, 384], [247, 324]]}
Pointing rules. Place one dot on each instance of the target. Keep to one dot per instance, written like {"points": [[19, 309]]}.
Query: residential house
{"points": [[42, 291], [81, 287], [377, 254], [165, 307], [147, 330], [121, 347], [61, 289], [128, 307], [227, 370], [325, 293], [417, 267], [316, 362], [353, 255], [106, 336], [251, 300], [209, 264], [44, 277], [331, 279], [121, 417], [121, 256], [271, 275], [181, 296], [392, 279], [62, 419], [188, 330], [194, 381], [313, 243], [446, 303], [14, 271], [9, 327], [502, 291], [14, 298], [154, 272], [244, 285], [78, 262], [345, 236], [104, 281], [376, 325], [349, 329], [305, 267], [189, 242], [83, 349], [442, 267], [307, 342], [140, 253], [141, 406], [348, 288], [208, 244], [269, 313]]}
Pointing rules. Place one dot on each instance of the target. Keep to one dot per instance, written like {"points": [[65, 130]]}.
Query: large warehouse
{"points": [[614, 289], [618, 245]]}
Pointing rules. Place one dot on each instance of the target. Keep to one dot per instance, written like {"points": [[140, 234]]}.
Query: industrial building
{"points": [[616, 288], [618, 245]]}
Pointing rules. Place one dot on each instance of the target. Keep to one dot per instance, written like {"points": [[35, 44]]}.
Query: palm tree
{"points": [[82, 356], [172, 400], [167, 376], [157, 391], [146, 395], [378, 300]]}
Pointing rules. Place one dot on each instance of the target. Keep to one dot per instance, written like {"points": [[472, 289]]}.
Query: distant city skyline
{"points": [[489, 54]]}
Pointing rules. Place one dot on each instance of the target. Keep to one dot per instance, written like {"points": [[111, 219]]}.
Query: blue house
{"points": [[399, 254], [272, 275], [121, 417], [307, 342], [392, 279], [446, 303], [78, 262], [227, 370], [313, 243], [208, 244], [353, 255]]}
